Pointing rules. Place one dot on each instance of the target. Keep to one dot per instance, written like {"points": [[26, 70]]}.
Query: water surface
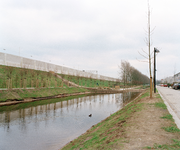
{"points": [[49, 125]]}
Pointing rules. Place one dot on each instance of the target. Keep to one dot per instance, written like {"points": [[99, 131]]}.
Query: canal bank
{"points": [[142, 124], [16, 96]]}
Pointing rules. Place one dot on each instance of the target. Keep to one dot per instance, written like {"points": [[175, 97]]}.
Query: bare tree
{"points": [[26, 72], [42, 79], [9, 74], [33, 74], [148, 55], [16, 80], [130, 75], [37, 78], [138, 77], [125, 70], [21, 72], [48, 79]]}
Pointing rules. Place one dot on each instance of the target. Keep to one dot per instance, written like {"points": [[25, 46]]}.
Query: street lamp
{"points": [[155, 51]]}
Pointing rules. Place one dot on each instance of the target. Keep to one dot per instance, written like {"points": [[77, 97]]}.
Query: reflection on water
{"points": [[52, 125]]}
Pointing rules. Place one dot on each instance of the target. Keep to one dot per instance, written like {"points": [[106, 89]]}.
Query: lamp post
{"points": [[155, 51]]}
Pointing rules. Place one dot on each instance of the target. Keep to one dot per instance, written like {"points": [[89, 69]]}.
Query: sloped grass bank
{"points": [[90, 82], [109, 133], [14, 77], [143, 124], [20, 94], [37, 103]]}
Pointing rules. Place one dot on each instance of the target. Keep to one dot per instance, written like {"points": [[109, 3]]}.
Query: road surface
{"points": [[171, 98]]}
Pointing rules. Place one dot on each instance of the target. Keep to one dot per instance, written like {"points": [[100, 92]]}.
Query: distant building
{"points": [[175, 78], [168, 80]]}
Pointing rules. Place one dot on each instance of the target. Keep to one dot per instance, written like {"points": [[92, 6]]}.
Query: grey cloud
{"points": [[91, 34]]}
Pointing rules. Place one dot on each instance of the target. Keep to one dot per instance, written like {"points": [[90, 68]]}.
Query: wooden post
{"points": [[150, 87]]}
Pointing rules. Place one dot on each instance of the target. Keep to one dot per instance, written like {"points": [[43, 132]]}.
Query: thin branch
{"points": [[153, 29], [144, 51], [142, 55], [146, 32], [142, 60], [151, 42], [146, 41]]}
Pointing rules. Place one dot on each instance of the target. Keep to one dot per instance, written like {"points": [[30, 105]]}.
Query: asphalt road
{"points": [[171, 98]]}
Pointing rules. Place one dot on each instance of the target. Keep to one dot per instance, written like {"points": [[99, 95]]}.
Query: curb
{"points": [[171, 110]]}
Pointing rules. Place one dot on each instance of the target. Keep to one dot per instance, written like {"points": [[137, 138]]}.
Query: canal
{"points": [[50, 124]]}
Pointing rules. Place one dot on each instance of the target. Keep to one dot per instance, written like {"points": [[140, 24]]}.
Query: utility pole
{"points": [[155, 51]]}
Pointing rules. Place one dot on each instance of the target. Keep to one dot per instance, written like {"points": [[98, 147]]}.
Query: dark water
{"points": [[49, 126]]}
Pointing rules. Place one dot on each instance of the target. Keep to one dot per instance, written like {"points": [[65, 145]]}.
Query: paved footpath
{"points": [[171, 98]]}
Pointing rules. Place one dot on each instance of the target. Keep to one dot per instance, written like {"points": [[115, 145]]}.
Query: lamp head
{"points": [[156, 50]]}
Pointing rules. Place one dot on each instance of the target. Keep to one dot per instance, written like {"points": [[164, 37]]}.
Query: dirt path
{"points": [[137, 126], [146, 127]]}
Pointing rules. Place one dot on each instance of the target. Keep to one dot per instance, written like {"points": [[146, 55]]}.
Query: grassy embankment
{"points": [[36, 103], [34, 83], [20, 94], [122, 128]]}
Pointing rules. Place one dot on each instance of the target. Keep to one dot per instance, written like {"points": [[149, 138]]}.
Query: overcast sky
{"points": [[92, 34]]}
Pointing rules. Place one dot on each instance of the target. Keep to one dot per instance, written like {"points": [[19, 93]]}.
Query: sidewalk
{"points": [[171, 98]]}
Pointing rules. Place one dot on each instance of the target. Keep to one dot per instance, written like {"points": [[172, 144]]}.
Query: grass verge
{"points": [[161, 105], [168, 116], [174, 146], [109, 133], [126, 127]]}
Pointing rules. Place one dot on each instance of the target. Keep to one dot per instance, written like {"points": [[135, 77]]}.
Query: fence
{"points": [[22, 62]]}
